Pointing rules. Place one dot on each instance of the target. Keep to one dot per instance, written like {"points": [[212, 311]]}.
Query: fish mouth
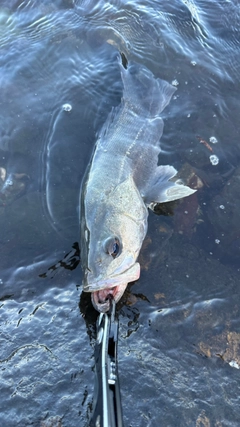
{"points": [[129, 275], [101, 299], [111, 288]]}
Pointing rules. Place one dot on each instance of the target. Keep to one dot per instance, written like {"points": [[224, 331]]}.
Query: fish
{"points": [[122, 182]]}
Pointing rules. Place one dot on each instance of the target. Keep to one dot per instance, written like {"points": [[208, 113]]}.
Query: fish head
{"points": [[113, 242]]}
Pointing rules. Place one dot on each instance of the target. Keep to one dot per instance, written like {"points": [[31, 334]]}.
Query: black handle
{"points": [[107, 410]]}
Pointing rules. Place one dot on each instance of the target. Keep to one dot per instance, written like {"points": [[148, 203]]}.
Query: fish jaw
{"points": [[101, 299], [129, 275], [114, 287]]}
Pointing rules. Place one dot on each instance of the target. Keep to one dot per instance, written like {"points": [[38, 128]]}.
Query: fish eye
{"points": [[112, 246]]}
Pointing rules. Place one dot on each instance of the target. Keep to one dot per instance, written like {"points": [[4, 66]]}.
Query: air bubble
{"points": [[67, 107], [217, 241], [214, 159], [222, 207], [213, 140]]}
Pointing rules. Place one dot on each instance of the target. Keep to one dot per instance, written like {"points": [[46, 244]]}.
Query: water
{"points": [[179, 324]]}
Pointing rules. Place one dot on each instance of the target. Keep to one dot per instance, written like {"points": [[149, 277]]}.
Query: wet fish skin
{"points": [[122, 182]]}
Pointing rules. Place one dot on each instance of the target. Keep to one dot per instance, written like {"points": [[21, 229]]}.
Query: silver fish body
{"points": [[122, 182]]}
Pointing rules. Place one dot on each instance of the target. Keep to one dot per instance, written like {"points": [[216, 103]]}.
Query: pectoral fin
{"points": [[161, 190]]}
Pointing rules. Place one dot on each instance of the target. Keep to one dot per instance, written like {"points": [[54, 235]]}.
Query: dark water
{"points": [[179, 349]]}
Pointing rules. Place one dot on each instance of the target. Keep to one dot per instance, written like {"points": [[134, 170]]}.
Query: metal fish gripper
{"points": [[107, 410]]}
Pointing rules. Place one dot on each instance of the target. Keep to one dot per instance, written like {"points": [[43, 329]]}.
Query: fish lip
{"points": [[103, 306], [132, 273]]}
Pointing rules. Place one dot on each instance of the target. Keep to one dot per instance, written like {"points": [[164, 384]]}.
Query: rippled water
{"points": [[179, 347]]}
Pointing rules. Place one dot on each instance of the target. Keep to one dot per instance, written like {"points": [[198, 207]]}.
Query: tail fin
{"points": [[142, 91]]}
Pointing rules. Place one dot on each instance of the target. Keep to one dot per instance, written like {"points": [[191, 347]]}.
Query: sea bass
{"points": [[124, 180]]}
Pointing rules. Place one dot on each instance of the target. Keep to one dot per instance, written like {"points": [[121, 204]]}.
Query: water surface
{"points": [[179, 324]]}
